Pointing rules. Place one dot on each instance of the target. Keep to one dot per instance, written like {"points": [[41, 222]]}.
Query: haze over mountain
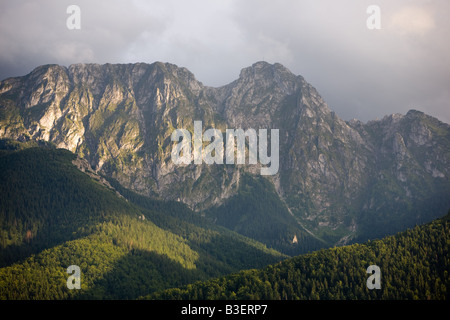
{"points": [[338, 181]]}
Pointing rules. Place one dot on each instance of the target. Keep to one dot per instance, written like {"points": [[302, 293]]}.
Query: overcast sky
{"points": [[361, 73]]}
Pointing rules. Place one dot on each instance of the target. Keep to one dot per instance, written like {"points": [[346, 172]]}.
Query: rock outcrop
{"points": [[333, 175]]}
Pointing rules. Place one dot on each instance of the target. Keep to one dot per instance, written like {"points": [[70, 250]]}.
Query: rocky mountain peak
{"points": [[120, 117], [263, 68], [266, 75]]}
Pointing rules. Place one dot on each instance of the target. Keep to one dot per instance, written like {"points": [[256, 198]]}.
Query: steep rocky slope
{"points": [[340, 180]]}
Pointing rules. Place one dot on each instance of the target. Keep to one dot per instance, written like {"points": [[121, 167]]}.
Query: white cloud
{"points": [[413, 20]]}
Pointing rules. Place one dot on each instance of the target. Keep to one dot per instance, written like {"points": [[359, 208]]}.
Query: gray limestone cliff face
{"points": [[119, 118]]}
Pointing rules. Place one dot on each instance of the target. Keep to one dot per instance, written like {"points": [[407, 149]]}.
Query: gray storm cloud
{"points": [[361, 73]]}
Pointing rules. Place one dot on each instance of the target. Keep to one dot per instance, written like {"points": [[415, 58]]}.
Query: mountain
{"points": [[54, 215], [338, 181], [413, 264]]}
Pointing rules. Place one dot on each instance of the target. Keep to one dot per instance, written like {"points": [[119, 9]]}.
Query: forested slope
{"points": [[52, 216], [414, 265]]}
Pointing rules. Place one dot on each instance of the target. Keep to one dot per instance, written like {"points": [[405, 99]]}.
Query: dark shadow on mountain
{"points": [[139, 273], [377, 225], [18, 253], [256, 211], [45, 201]]}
